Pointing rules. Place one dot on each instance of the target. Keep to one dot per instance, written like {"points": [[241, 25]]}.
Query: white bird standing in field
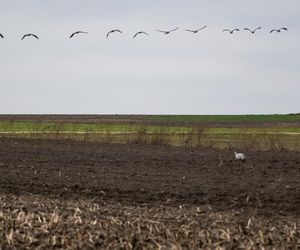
{"points": [[239, 156]]}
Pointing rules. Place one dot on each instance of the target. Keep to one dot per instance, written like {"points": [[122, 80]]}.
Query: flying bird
{"points": [[112, 31], [78, 32], [167, 32], [1, 36], [196, 31], [231, 31], [278, 30], [253, 31], [27, 35], [140, 32], [239, 156]]}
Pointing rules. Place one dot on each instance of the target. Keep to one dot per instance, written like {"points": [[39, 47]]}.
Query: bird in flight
{"points": [[167, 32], [196, 31], [231, 31], [112, 31], [1, 36], [253, 31], [78, 32], [140, 32], [278, 30], [33, 35]]}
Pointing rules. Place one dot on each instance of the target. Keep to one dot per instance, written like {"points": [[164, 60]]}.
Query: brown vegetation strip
{"points": [[139, 120]]}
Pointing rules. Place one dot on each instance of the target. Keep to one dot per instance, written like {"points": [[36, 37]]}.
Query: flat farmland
{"points": [[139, 174], [63, 193], [140, 182]]}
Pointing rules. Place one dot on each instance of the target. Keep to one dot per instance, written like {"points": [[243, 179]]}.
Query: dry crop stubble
{"points": [[40, 222]]}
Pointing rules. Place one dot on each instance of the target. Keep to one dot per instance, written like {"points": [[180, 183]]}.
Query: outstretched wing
{"points": [[78, 32], [247, 29], [108, 34], [283, 28], [24, 36], [118, 31], [191, 30], [273, 30], [173, 29], [227, 30], [34, 36], [136, 34], [202, 28], [161, 31], [258, 28], [236, 30]]}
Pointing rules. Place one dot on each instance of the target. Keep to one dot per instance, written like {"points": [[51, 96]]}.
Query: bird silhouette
{"points": [[78, 32], [27, 35], [1, 36], [112, 31], [231, 31], [140, 32], [167, 32], [278, 30], [253, 31], [196, 31]]}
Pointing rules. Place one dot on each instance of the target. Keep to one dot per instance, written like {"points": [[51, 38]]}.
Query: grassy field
{"points": [[285, 136], [48, 127]]}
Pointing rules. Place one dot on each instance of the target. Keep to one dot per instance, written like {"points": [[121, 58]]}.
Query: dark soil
{"points": [[267, 182]]}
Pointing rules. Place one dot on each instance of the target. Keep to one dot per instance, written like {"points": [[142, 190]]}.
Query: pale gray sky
{"points": [[182, 73]]}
